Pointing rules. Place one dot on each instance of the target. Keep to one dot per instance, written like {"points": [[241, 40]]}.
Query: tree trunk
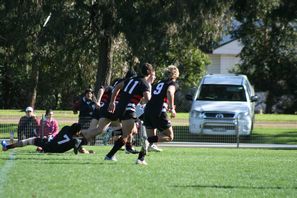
{"points": [[35, 79], [6, 86], [105, 62], [269, 102]]}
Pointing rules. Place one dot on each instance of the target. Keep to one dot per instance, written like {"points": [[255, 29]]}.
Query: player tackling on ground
{"points": [[155, 116], [62, 142]]}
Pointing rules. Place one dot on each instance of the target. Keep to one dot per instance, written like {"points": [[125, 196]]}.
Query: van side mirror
{"points": [[189, 97], [254, 98]]}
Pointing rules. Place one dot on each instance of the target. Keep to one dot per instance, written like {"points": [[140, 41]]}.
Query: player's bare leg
{"points": [[114, 129], [129, 144], [145, 145], [89, 133], [21, 143], [127, 128], [166, 136]]}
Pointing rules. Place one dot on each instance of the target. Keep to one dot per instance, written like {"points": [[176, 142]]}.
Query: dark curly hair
{"points": [[145, 69], [75, 127]]}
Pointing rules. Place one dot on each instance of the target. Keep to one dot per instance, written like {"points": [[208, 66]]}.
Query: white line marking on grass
{"points": [[5, 170]]}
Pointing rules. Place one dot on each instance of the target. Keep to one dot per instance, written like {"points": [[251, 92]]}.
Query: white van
{"points": [[223, 105]]}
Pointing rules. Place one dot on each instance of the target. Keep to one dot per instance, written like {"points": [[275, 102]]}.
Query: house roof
{"points": [[232, 47]]}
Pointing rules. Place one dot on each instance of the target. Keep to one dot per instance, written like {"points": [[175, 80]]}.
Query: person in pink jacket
{"points": [[49, 127]]}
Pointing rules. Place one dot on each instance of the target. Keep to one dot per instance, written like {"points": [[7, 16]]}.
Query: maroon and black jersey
{"points": [[106, 95], [102, 112], [117, 81], [131, 94], [158, 101], [108, 91]]}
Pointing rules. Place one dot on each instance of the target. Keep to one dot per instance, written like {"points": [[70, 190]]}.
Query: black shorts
{"points": [[126, 114], [96, 114], [104, 113], [45, 145], [40, 142], [53, 146], [153, 121]]}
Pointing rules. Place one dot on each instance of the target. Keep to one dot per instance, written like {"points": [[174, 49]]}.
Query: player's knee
{"points": [[171, 137]]}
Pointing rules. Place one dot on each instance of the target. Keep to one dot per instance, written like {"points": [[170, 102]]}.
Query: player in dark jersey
{"points": [[155, 116], [102, 117], [129, 144], [131, 92], [104, 94], [62, 142]]}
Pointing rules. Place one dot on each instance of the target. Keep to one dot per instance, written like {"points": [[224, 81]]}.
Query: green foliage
{"points": [[191, 63], [268, 32], [161, 25], [88, 42]]}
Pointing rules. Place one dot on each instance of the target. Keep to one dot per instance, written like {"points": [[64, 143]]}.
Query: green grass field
{"points": [[175, 172], [267, 134]]}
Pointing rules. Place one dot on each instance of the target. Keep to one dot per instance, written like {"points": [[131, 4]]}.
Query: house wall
{"points": [[228, 62], [224, 58], [221, 64], [214, 66]]}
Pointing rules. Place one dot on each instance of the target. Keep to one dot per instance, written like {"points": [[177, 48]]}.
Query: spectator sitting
{"points": [[49, 127], [28, 125]]}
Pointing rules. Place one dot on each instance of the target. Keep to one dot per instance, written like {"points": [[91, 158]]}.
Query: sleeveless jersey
{"points": [[131, 94], [108, 91], [158, 101], [62, 142]]}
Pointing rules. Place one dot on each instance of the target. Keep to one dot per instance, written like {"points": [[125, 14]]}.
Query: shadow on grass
{"points": [[233, 187], [287, 136], [33, 160]]}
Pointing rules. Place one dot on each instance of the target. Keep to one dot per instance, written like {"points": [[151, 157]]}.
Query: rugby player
{"points": [[155, 112], [64, 141], [131, 92]]}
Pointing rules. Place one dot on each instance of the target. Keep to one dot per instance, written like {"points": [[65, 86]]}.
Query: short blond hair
{"points": [[172, 72]]}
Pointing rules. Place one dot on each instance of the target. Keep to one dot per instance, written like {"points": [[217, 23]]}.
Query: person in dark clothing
{"points": [[155, 112], [64, 141], [103, 118], [86, 105], [131, 91]]}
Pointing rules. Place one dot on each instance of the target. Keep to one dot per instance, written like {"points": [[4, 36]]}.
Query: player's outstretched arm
{"points": [[170, 96], [115, 93]]}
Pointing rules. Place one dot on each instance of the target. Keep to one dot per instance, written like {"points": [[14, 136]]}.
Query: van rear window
{"points": [[216, 92]]}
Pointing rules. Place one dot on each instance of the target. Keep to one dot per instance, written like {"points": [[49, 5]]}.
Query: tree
{"points": [[16, 48], [77, 49], [268, 32]]}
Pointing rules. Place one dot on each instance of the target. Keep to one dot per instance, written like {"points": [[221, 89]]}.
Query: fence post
{"points": [[11, 137], [237, 132], [42, 125]]}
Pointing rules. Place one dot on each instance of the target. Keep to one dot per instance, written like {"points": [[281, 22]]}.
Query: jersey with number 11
{"points": [[132, 91]]}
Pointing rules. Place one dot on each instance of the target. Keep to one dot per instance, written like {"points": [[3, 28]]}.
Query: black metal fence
{"points": [[282, 133]]}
